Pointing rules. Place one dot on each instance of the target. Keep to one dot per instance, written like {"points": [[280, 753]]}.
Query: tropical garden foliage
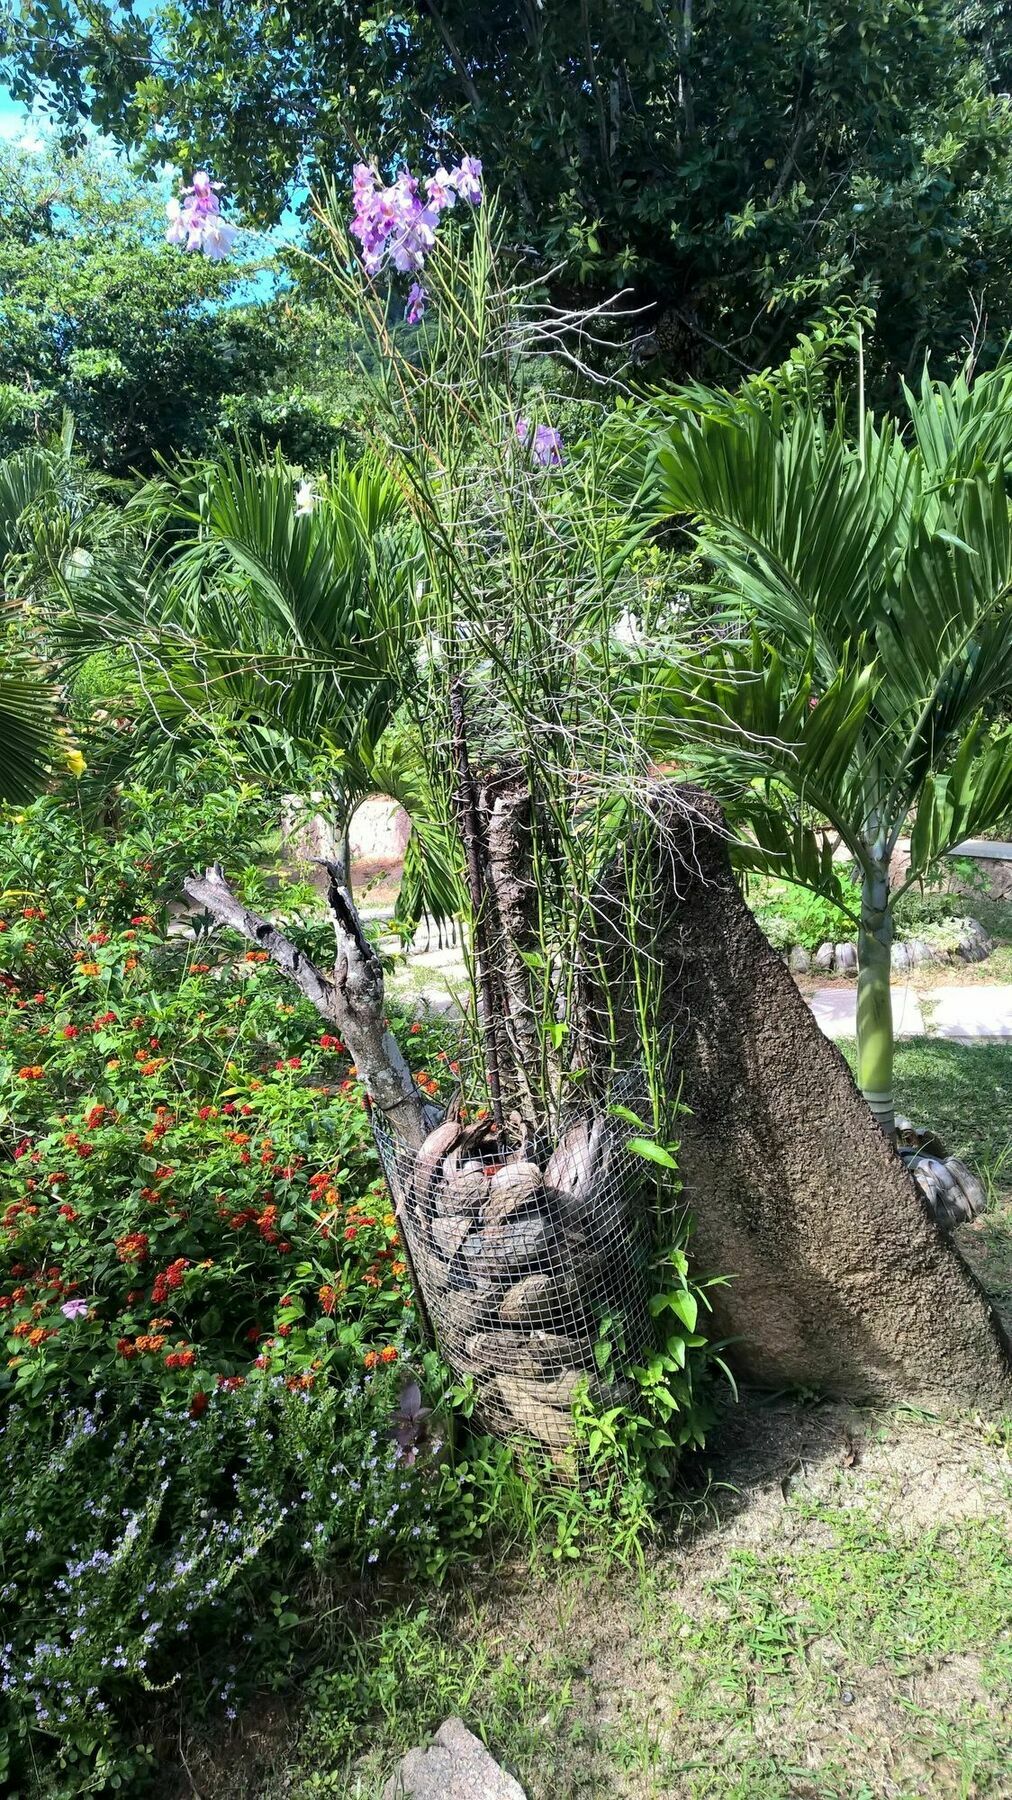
{"points": [[375, 523], [863, 159]]}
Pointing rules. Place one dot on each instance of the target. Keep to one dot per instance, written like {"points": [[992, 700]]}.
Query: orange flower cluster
{"points": [[372, 1357], [133, 1245], [33, 1334], [32, 1072]]}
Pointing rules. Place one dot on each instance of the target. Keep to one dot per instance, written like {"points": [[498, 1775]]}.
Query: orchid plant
{"points": [[196, 222]]}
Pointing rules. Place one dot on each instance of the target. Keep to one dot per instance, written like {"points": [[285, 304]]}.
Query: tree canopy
{"points": [[154, 353], [737, 162]]}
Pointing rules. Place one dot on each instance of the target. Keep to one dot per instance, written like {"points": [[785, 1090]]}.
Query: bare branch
{"points": [[352, 1001]]}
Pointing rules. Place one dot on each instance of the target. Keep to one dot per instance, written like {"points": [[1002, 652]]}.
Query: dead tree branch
{"points": [[351, 999]]}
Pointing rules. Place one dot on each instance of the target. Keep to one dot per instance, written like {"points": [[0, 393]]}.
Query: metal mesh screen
{"points": [[527, 1258]]}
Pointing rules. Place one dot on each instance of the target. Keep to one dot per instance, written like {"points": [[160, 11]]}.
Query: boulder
{"points": [[456, 1766], [799, 961], [824, 959]]}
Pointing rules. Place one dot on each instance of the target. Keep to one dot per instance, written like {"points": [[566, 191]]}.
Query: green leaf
{"points": [[651, 1152]]}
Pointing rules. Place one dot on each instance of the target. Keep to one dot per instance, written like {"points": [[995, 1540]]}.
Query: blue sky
{"points": [[16, 124]]}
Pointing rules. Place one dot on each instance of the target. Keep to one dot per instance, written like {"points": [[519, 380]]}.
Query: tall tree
{"points": [[738, 162]]}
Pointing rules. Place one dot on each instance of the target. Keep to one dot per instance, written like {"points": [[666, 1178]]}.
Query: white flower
{"points": [[305, 499]]}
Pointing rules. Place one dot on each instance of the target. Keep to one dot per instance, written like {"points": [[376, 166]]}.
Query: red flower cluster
{"points": [[168, 1280]]}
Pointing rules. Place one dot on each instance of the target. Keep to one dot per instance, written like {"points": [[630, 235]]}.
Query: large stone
{"points": [[513, 1189], [456, 1766], [824, 958], [840, 1279]]}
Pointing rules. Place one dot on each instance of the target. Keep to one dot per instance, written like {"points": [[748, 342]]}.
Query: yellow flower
{"points": [[76, 763]]}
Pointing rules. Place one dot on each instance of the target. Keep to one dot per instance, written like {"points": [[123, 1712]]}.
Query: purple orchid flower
{"points": [[196, 220], [417, 297], [466, 178], [545, 445]]}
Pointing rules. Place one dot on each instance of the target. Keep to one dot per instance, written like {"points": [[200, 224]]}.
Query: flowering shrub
{"points": [[198, 1265], [140, 1549], [191, 1195]]}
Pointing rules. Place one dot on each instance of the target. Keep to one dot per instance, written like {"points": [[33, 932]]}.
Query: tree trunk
{"points": [[351, 999], [839, 1278], [874, 1001]]}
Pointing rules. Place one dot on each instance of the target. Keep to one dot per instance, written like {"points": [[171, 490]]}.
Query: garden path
{"points": [[969, 1014]]}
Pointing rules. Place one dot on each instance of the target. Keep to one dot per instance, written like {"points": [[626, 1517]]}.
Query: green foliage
{"points": [[860, 592], [792, 915], [154, 353], [862, 159]]}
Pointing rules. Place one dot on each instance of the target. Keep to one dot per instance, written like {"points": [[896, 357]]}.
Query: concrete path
{"points": [[836, 1011], [969, 1014]]}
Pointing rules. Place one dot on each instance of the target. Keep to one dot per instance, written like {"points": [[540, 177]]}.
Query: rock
{"points": [[918, 1137], [511, 1189], [533, 1302], [973, 943], [943, 1190], [448, 1234], [900, 959], [918, 952], [973, 1191], [845, 956], [429, 1161], [463, 1309], [499, 1250], [456, 1766], [824, 958], [539, 1355], [799, 962], [578, 1159], [432, 1272], [462, 1193], [541, 1409]]}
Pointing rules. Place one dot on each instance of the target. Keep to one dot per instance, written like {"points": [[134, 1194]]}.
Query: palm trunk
{"points": [[874, 1001]]}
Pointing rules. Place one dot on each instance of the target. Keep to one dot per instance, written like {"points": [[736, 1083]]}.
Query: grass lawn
{"points": [[833, 1620]]}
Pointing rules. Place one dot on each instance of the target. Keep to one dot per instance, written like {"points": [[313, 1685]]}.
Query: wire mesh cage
{"points": [[531, 1261]]}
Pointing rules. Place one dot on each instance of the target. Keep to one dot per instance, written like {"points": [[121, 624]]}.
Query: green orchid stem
{"points": [[874, 1002]]}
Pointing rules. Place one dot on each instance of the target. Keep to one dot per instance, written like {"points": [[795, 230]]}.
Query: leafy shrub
{"points": [[791, 915], [145, 1552]]}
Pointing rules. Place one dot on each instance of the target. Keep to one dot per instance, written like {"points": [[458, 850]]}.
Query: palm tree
{"points": [[38, 517], [277, 618], [864, 640]]}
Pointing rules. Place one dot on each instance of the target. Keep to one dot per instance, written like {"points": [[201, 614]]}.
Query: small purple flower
{"points": [[75, 1309], [417, 297], [545, 445]]}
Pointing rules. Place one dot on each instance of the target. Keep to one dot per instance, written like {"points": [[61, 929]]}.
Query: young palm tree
{"points": [[276, 616], [862, 589]]}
